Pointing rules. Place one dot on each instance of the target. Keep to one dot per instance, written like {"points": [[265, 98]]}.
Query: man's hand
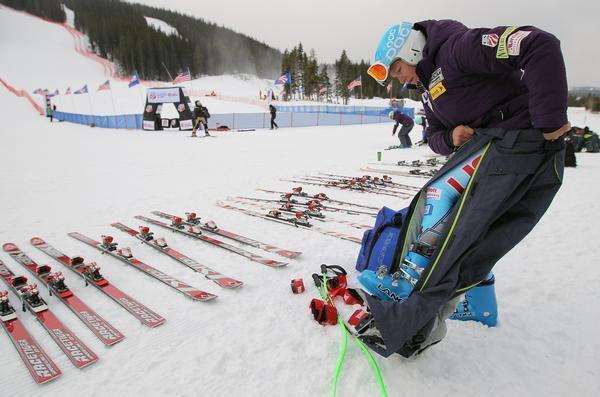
{"points": [[554, 135], [461, 134]]}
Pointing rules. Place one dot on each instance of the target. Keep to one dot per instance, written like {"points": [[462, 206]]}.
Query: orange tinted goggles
{"points": [[379, 72]]}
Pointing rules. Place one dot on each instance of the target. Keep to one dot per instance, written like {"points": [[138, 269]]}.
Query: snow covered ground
{"points": [[161, 25], [260, 340]]}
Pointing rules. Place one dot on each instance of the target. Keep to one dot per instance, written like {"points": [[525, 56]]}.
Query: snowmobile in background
{"points": [[584, 138]]}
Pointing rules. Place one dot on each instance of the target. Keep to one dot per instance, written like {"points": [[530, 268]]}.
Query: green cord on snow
{"points": [[324, 292]]}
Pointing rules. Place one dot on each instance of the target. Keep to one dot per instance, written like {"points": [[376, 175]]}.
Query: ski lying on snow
{"points": [[91, 274], [297, 191], [357, 182], [194, 232], [385, 181], [147, 237], [103, 330], [192, 220], [298, 221], [37, 361], [77, 352], [124, 255], [290, 209], [414, 173], [347, 187], [309, 203]]}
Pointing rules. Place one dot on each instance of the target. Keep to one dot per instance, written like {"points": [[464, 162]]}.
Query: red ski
{"points": [[160, 244], [194, 232], [37, 361], [77, 352], [55, 282], [91, 274], [124, 254], [193, 220]]}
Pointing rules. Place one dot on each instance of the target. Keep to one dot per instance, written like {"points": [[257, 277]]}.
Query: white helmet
{"points": [[391, 114], [399, 42]]}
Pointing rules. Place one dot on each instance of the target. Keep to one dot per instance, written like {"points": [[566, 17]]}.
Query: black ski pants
{"points": [[513, 185]]}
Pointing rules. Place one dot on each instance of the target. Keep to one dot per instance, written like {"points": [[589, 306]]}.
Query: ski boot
{"points": [[479, 304], [396, 286]]}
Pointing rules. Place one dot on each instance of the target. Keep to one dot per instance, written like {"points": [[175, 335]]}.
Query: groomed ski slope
{"points": [[260, 340]]}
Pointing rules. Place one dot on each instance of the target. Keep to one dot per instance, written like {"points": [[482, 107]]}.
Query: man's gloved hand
{"points": [[461, 134], [554, 135]]}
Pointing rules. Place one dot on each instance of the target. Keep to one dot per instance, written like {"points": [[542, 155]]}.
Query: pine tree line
{"points": [[119, 32], [49, 9], [308, 77]]}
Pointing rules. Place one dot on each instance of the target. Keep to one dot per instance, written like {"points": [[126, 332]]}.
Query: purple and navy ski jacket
{"points": [[508, 77], [401, 118]]}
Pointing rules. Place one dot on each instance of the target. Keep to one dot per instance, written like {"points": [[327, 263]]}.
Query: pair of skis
{"points": [[351, 186], [195, 231], [290, 208], [90, 273], [55, 283], [38, 363], [285, 199], [299, 220], [298, 192], [418, 173]]}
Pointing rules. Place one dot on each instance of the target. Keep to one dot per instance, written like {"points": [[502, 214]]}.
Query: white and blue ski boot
{"points": [[479, 304]]}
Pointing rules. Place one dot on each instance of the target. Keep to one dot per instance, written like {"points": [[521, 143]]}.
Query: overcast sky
{"points": [[328, 26]]}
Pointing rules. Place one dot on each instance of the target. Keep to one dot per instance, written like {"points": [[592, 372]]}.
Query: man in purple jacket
{"points": [[497, 99], [407, 126]]}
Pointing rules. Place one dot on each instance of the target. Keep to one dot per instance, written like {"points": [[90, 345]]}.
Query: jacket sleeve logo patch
{"points": [[502, 52], [436, 77], [489, 40], [437, 90], [513, 43]]}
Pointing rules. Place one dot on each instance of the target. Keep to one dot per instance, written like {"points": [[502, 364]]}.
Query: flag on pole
{"points": [[104, 86], [323, 90], [68, 91], [51, 94], [181, 77], [355, 83], [284, 79], [135, 79], [82, 90]]}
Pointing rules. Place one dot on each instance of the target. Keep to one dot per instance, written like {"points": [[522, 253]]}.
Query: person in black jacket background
{"points": [[273, 111]]}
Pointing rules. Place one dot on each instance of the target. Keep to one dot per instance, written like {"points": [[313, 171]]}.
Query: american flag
{"points": [[181, 77], [104, 86], [323, 90], [355, 83], [82, 90], [284, 79]]}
